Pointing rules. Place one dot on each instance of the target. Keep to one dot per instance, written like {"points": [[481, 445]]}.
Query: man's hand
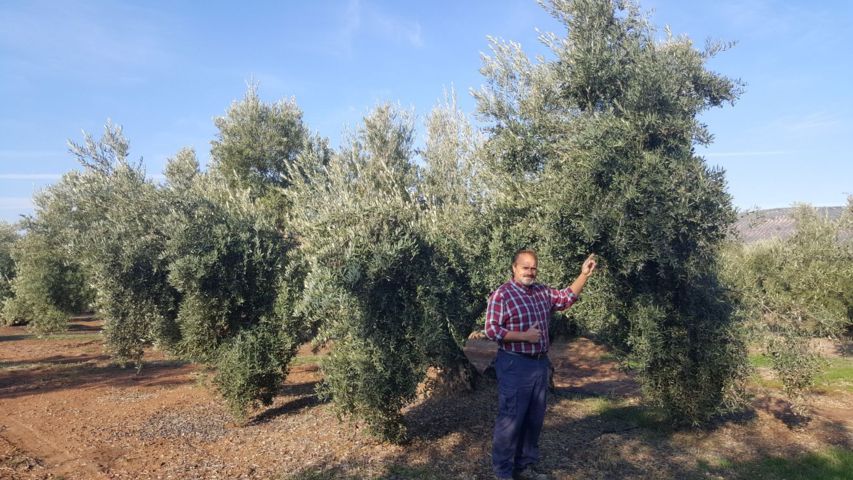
{"points": [[532, 334], [588, 265]]}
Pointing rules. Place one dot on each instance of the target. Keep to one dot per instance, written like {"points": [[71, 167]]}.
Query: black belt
{"points": [[532, 356]]}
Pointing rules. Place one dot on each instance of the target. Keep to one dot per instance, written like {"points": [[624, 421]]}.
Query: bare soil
{"points": [[66, 411]]}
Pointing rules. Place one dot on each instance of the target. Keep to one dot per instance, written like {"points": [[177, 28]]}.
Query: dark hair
{"points": [[524, 251]]}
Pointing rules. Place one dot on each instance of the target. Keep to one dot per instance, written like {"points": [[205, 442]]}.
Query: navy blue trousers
{"points": [[522, 389]]}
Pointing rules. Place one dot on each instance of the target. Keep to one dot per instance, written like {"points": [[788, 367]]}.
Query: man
{"points": [[517, 318]]}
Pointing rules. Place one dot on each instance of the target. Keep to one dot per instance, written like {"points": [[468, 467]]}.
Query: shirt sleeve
{"points": [[562, 299], [496, 314]]}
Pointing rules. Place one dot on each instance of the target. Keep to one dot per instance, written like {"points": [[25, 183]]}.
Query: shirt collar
{"points": [[521, 286]]}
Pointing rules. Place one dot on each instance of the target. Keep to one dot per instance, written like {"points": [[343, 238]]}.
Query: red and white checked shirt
{"points": [[514, 307]]}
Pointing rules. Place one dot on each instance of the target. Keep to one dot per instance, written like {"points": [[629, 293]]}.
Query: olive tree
{"points": [[228, 264], [196, 266], [453, 191], [49, 286], [392, 305], [50, 282], [591, 150], [114, 225], [8, 238]]}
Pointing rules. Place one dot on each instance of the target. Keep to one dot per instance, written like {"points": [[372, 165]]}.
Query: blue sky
{"points": [[165, 69]]}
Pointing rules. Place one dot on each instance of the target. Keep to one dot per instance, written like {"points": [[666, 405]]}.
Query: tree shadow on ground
{"points": [[450, 437], [844, 348], [77, 374], [305, 397], [783, 411], [389, 472], [50, 361], [82, 328], [13, 338], [605, 388]]}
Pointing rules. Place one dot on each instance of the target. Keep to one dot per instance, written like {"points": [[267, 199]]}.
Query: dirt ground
{"points": [[67, 412]]}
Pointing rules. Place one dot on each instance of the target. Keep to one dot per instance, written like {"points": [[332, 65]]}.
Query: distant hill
{"points": [[761, 225]]}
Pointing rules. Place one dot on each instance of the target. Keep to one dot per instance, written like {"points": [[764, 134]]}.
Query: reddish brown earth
{"points": [[67, 412]]}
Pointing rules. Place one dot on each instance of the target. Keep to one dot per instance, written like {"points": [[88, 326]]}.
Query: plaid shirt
{"points": [[514, 307]]}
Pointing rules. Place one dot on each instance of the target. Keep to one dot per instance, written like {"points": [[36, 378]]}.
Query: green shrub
{"points": [[48, 287], [796, 364], [225, 262], [250, 366]]}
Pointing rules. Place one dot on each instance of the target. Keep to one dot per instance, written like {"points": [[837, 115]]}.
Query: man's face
{"points": [[524, 269]]}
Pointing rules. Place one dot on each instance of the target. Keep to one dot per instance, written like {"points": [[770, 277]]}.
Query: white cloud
{"points": [[814, 23], [809, 123], [363, 19], [397, 29]]}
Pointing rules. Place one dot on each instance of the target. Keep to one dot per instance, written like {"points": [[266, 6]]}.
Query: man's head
{"points": [[524, 265]]}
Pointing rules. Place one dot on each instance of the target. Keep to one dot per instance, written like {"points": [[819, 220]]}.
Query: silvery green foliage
{"points": [[455, 197], [114, 225], [8, 238], [51, 283], [591, 150], [805, 281], [451, 174], [391, 303], [257, 142], [49, 286], [228, 265]]}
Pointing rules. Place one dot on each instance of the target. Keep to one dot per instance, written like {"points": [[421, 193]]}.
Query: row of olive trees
{"points": [[195, 265], [793, 290], [389, 260]]}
